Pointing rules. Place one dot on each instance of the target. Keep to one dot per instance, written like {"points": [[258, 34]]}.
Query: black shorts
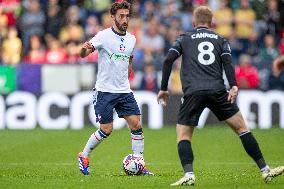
{"points": [[192, 106]]}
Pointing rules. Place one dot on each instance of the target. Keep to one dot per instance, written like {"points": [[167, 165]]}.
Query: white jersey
{"points": [[114, 52]]}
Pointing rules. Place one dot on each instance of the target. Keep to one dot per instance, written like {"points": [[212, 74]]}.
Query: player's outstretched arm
{"points": [[167, 68], [86, 49]]}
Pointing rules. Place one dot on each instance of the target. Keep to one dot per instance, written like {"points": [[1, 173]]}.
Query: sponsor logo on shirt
{"points": [[119, 57]]}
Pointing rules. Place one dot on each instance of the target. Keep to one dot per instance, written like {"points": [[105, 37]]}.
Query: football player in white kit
{"points": [[112, 90]]}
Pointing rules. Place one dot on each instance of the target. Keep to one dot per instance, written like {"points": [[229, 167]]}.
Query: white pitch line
{"points": [[36, 164], [149, 163]]}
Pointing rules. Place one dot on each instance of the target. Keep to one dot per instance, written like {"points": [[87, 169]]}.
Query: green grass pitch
{"points": [[48, 159]]}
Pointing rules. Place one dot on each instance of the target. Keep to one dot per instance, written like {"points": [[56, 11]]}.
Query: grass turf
{"points": [[48, 159]]}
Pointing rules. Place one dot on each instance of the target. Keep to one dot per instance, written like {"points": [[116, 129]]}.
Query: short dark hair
{"points": [[119, 5]]}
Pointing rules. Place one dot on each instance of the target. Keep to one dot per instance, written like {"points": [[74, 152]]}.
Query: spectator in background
{"points": [[3, 27], [55, 54], [31, 22], [72, 31], [148, 11], [149, 80], [246, 75], [186, 16], [72, 15], [36, 53], [259, 6], [276, 79], [11, 9], [264, 60], [151, 40], [236, 46], [72, 50], [253, 46], [12, 47], [54, 20], [100, 7], [152, 44], [170, 37], [169, 13], [272, 18], [281, 43], [92, 27], [224, 19], [245, 20], [270, 51]]}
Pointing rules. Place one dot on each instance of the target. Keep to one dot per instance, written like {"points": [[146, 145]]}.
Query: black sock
{"points": [[251, 146], [185, 155]]}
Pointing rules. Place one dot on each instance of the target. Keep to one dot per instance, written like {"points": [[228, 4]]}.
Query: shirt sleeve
{"points": [[174, 52], [96, 41], [226, 58], [177, 46], [226, 49]]}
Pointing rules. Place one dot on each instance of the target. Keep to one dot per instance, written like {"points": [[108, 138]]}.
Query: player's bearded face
{"points": [[121, 19]]}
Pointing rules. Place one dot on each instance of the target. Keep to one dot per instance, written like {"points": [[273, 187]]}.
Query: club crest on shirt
{"points": [[122, 47]]}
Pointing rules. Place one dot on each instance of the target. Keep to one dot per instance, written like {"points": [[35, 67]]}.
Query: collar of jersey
{"points": [[120, 34], [202, 27]]}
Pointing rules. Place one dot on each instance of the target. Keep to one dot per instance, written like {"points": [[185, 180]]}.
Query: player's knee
{"points": [[107, 130], [184, 133], [237, 123], [135, 125]]}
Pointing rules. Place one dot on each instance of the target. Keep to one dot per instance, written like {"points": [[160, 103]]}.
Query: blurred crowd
{"points": [[52, 31]]}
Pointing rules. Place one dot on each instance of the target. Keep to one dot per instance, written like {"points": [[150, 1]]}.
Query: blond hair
{"points": [[203, 15]]}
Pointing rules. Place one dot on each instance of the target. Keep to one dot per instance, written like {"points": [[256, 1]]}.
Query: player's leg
{"points": [[229, 112], [104, 113], [189, 113], [128, 109], [184, 136], [137, 138], [237, 123], [96, 138]]}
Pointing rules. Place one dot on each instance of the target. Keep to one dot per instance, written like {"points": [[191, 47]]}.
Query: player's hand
{"points": [[163, 97], [233, 94], [87, 45]]}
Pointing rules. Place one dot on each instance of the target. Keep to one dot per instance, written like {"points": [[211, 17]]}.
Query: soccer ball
{"points": [[133, 164]]}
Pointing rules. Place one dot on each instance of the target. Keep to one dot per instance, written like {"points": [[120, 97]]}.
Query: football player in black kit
{"points": [[205, 55]]}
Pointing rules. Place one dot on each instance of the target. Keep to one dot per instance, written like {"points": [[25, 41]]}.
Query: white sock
{"points": [[94, 140], [188, 174], [265, 169], [137, 139]]}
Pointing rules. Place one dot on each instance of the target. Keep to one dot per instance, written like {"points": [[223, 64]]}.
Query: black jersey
{"points": [[202, 50]]}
